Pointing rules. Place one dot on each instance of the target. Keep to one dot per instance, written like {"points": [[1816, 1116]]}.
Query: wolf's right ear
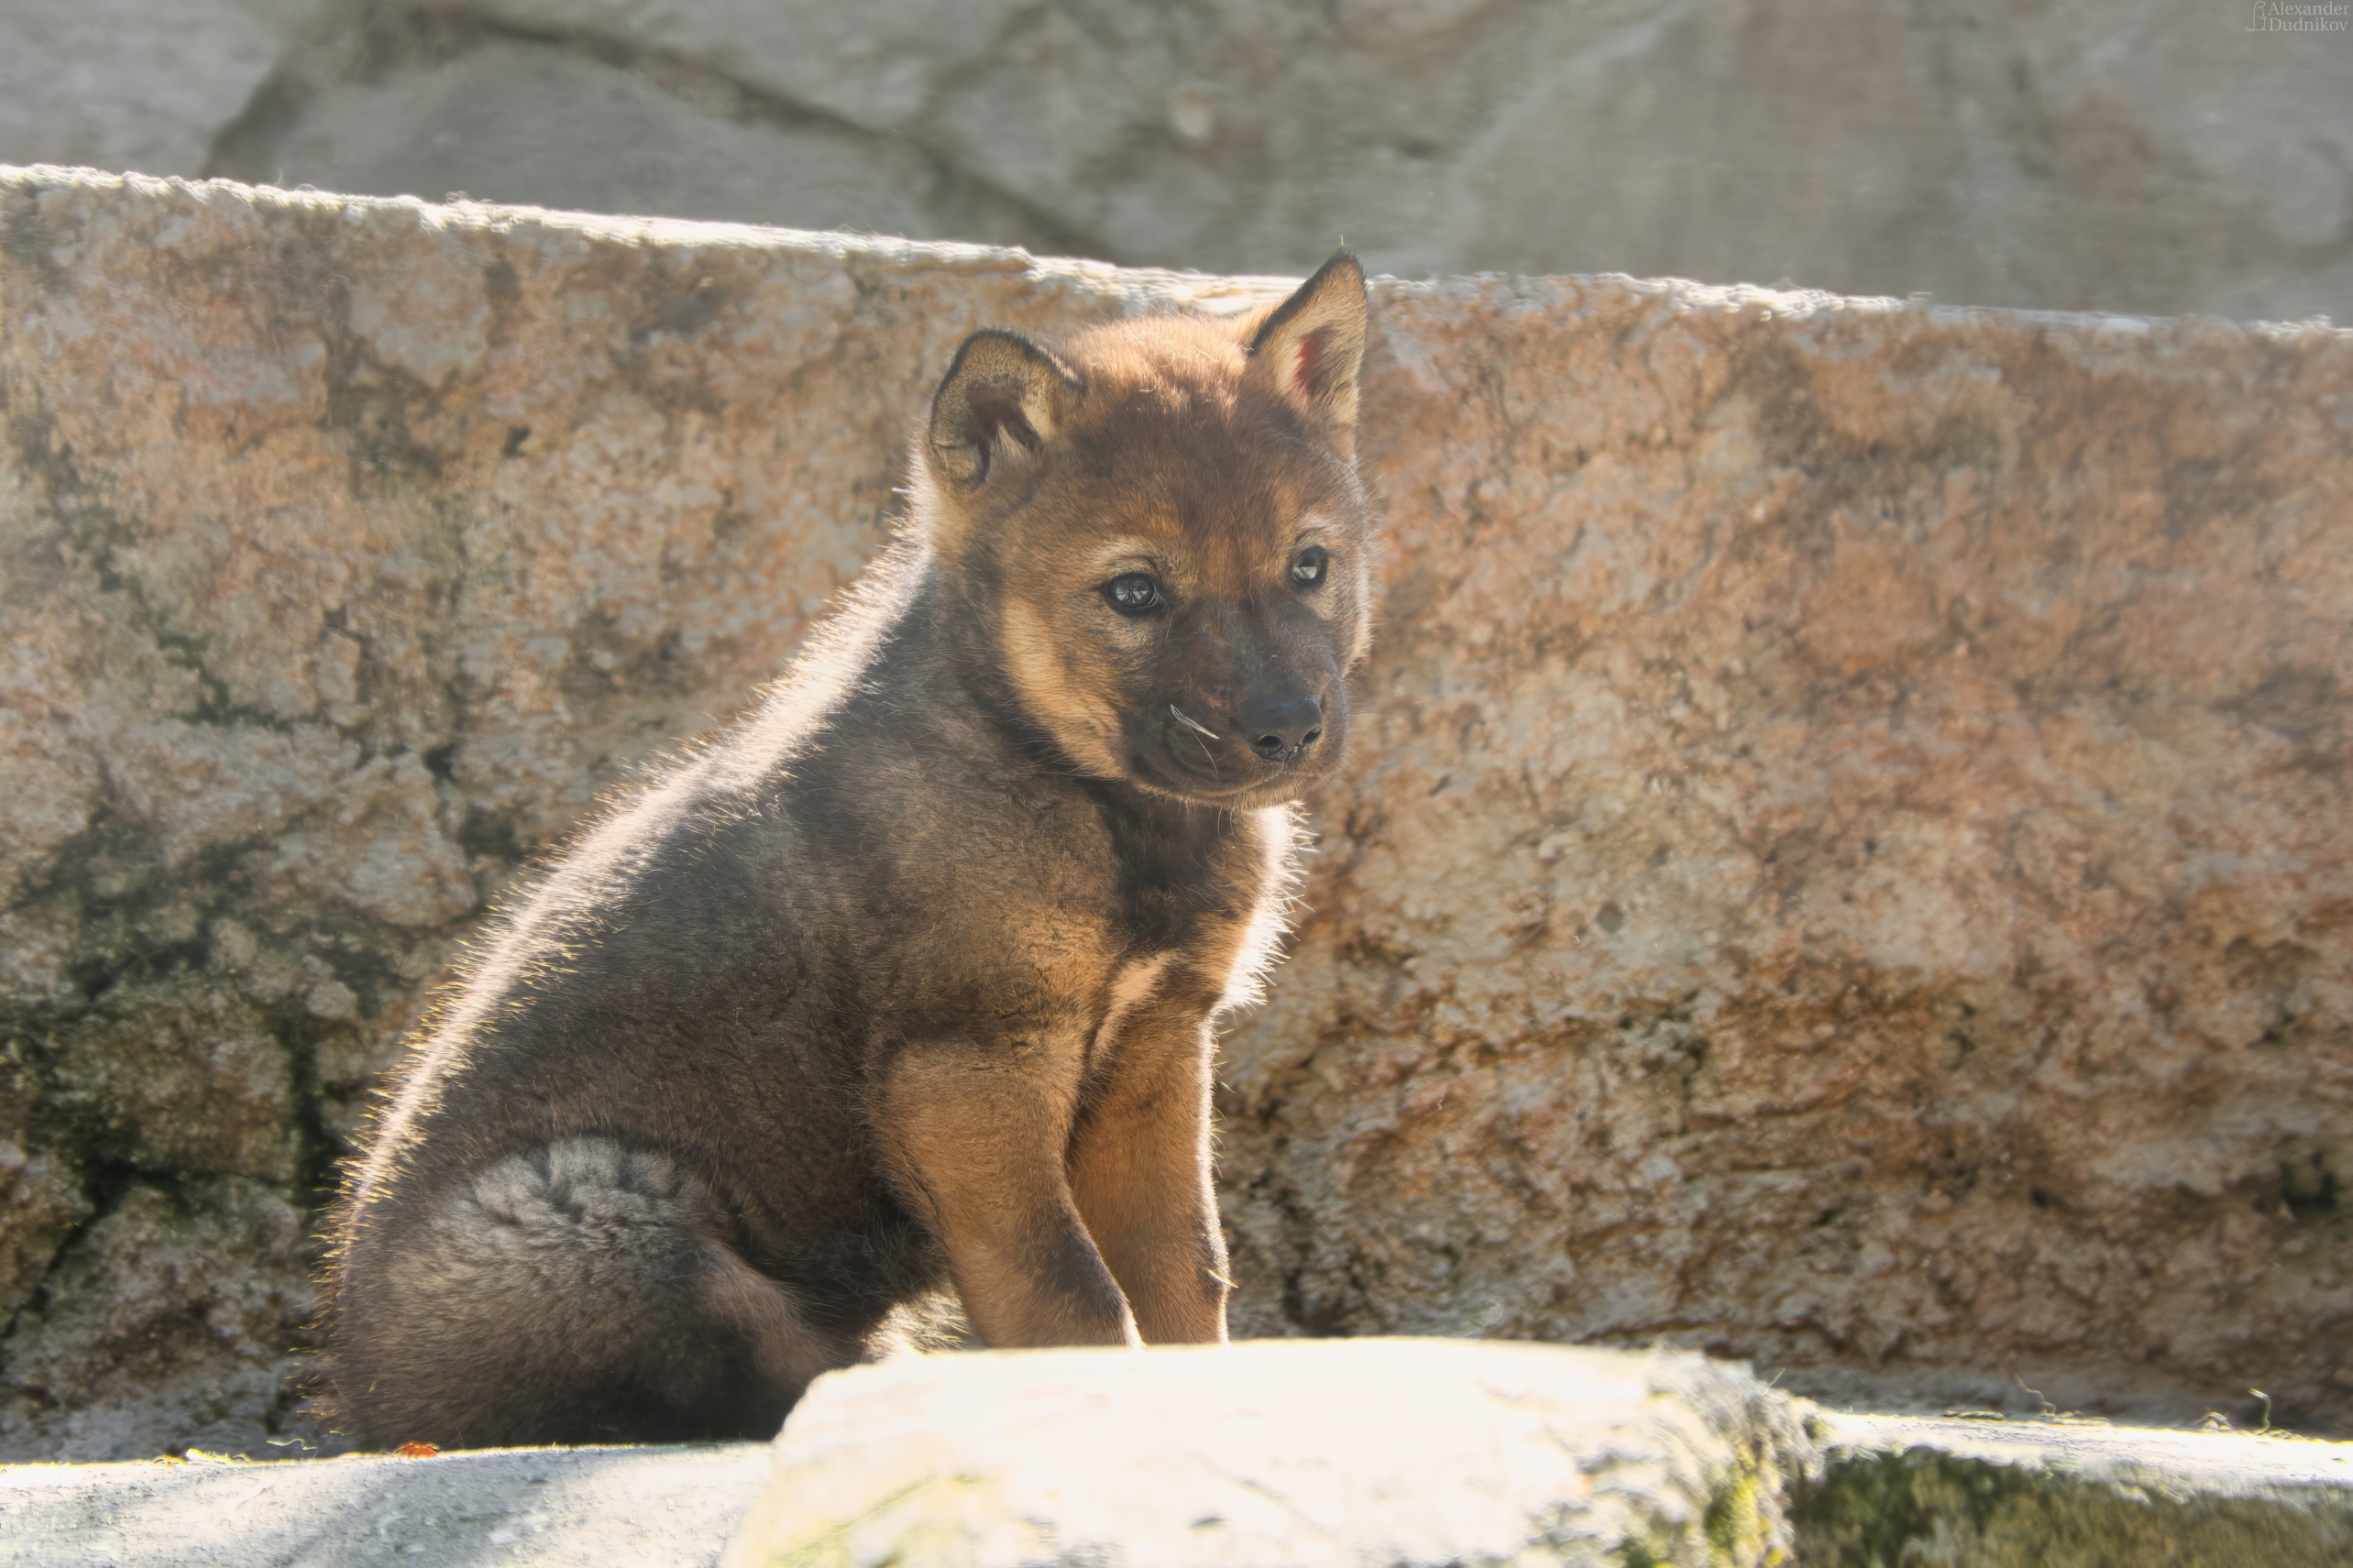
{"points": [[1002, 401], [1310, 349]]}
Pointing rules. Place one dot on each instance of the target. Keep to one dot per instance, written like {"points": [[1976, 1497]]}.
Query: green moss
{"points": [[1925, 1508], [1734, 1524]]}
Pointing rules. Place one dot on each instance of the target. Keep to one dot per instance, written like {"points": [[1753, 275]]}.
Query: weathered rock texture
{"points": [[1849, 862], [1846, 863], [1970, 1494], [2154, 156], [1404, 1453]]}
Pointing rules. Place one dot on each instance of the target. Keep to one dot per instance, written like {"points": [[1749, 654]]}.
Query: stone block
{"points": [[1842, 866], [1057, 1438], [1399, 1452], [1974, 1493]]}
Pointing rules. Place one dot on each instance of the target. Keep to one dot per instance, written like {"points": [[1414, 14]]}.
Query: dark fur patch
{"points": [[606, 1251]]}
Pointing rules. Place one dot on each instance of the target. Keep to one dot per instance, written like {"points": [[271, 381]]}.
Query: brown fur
{"points": [[905, 986]]}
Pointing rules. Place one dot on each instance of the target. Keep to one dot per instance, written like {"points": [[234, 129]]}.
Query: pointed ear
{"points": [[1310, 350], [1002, 401]]}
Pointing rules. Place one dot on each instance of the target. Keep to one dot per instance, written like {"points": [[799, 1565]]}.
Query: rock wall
{"points": [[2159, 156], [1846, 863]]}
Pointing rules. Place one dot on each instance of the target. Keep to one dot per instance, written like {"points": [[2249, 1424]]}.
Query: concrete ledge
{"points": [[1389, 1452], [629, 1508], [1946, 1494]]}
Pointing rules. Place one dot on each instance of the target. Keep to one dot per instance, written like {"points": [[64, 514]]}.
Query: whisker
{"points": [[1189, 724]]}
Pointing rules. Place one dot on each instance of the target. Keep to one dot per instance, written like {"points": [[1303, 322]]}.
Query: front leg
{"points": [[1140, 1172], [978, 1144]]}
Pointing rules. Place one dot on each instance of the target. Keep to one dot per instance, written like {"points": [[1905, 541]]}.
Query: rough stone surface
{"points": [[1954, 1494], [132, 83], [1395, 1452], [2153, 156], [516, 119], [1084, 1443], [1847, 862], [164, 1327], [582, 1507], [1845, 866]]}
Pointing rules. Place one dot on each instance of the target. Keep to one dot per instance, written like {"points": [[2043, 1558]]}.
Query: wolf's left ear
{"points": [[1000, 402], [1310, 350]]}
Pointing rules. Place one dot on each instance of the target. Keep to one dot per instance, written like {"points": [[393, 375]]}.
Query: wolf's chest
{"points": [[1214, 932]]}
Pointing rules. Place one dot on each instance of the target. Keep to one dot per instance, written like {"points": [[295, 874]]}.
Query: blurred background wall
{"points": [[2151, 156]]}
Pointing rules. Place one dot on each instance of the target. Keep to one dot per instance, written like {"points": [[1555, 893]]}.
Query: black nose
{"points": [[1280, 725]]}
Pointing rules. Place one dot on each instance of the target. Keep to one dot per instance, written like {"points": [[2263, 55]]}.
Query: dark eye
{"points": [[1307, 566], [1133, 593]]}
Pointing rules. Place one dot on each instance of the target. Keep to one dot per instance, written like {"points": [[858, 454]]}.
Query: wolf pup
{"points": [[905, 984]]}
